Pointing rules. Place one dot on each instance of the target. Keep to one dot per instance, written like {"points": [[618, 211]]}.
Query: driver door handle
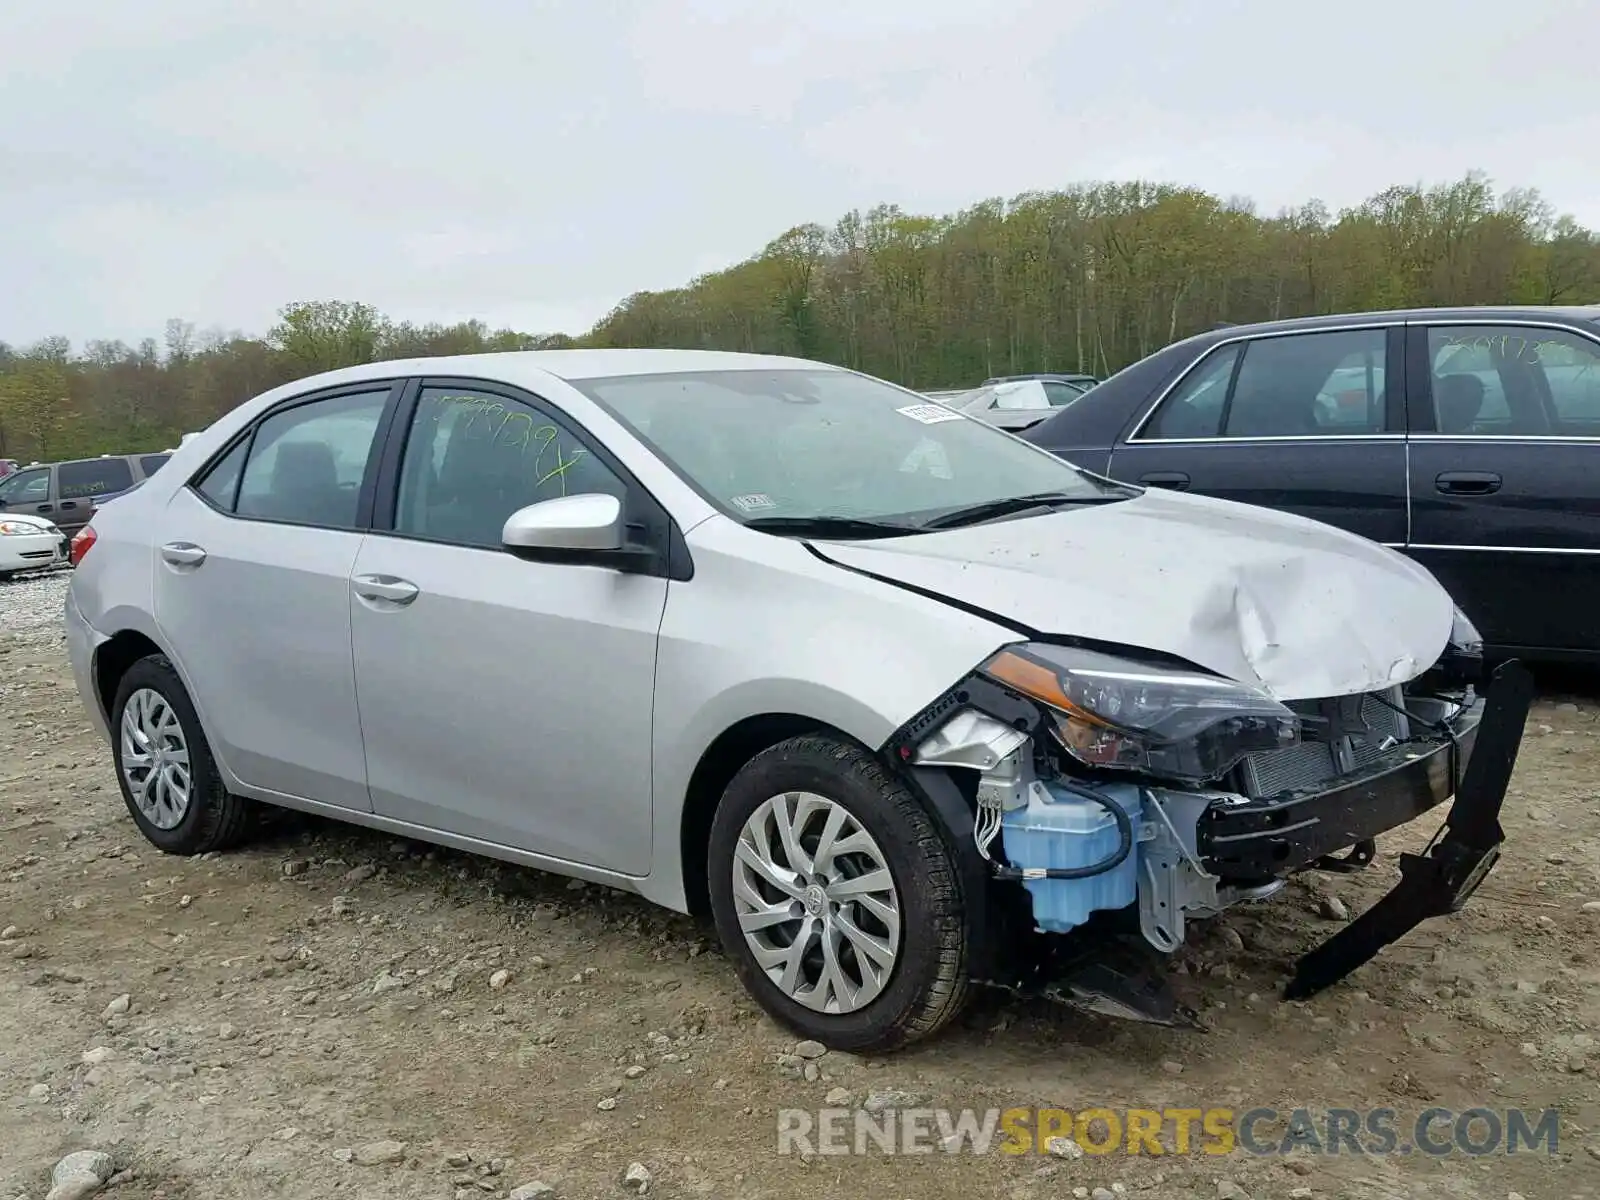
{"points": [[385, 588], [1176, 480], [183, 554]]}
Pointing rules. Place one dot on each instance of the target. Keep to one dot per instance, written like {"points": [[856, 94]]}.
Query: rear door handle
{"points": [[66, 504], [44, 508], [1176, 480], [183, 554], [385, 588], [1468, 483]]}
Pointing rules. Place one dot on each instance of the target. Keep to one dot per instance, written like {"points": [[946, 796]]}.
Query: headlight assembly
{"points": [[19, 529], [1114, 713]]}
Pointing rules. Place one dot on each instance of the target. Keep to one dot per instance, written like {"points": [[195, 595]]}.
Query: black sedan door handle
{"points": [[1176, 480], [1468, 483]]}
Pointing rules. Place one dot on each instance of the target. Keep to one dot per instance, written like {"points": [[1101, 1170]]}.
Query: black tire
{"points": [[928, 982], [214, 820]]}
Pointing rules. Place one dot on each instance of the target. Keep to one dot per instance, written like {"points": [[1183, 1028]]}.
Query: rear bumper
{"points": [[1262, 839]]}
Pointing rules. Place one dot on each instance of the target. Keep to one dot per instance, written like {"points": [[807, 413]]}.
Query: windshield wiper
{"points": [[991, 509], [824, 526]]}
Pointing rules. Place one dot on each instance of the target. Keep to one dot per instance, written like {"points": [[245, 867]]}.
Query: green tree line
{"points": [[1089, 278]]}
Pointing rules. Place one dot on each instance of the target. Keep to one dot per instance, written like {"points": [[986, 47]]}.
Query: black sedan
{"points": [[1469, 438]]}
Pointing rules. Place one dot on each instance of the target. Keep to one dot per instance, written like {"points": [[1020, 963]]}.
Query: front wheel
{"points": [[837, 898], [164, 765]]}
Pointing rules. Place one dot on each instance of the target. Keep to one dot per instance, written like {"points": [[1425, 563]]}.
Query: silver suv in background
{"points": [[903, 701]]}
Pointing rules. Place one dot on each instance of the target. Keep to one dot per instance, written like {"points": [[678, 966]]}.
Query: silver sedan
{"points": [[874, 684]]}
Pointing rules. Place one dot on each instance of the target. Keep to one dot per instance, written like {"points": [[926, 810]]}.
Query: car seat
{"points": [[1269, 412], [304, 487], [1458, 400]]}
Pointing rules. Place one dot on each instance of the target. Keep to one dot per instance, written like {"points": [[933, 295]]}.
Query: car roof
{"points": [[1487, 313], [533, 367]]}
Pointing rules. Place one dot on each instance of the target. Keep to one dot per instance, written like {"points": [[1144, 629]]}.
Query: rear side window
{"points": [[151, 463], [1194, 410], [306, 463], [1302, 385], [1310, 384], [220, 484], [93, 477]]}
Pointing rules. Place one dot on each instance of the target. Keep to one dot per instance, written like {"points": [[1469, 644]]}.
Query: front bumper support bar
{"points": [[1439, 880]]}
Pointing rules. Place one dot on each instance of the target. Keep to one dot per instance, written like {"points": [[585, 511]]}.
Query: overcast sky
{"points": [[532, 162]]}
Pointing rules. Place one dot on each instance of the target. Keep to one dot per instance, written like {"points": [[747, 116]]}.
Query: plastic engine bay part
{"points": [[1073, 828], [1083, 847]]}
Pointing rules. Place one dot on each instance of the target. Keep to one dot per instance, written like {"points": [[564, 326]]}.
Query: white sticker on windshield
{"points": [[929, 414], [755, 502]]}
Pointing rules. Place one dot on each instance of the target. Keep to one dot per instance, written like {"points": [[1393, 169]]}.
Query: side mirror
{"points": [[586, 529], [592, 521]]}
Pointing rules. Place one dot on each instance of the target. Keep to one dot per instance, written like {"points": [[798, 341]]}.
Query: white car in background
{"points": [[1014, 404], [29, 543]]}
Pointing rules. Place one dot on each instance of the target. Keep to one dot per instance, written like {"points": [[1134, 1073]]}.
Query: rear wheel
{"points": [[164, 766], [837, 898]]}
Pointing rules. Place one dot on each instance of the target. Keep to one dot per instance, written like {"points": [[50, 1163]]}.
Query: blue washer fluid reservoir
{"points": [[1063, 828]]}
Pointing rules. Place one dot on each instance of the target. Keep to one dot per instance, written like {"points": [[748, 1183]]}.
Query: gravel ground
{"points": [[31, 603], [333, 1012]]}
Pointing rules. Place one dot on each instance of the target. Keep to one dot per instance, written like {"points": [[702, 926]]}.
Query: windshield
{"points": [[819, 443]]}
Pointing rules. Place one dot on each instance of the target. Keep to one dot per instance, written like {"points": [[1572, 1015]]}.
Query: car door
{"points": [[503, 700], [1505, 477], [27, 492], [1306, 422], [252, 593]]}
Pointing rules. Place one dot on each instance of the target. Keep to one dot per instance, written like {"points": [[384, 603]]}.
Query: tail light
{"points": [[81, 543]]}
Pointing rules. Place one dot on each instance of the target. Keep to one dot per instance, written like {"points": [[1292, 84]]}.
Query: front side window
{"points": [[473, 458], [1514, 381], [306, 463], [808, 444], [93, 477], [26, 487]]}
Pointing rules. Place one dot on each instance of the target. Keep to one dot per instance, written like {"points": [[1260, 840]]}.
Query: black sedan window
{"points": [[1304, 385]]}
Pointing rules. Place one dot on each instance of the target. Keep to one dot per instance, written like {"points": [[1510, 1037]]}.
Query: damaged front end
{"points": [[1112, 796]]}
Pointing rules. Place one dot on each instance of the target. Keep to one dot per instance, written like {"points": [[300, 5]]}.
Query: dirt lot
{"points": [[328, 989]]}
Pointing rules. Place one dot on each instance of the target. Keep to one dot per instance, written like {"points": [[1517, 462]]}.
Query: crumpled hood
{"points": [[1295, 607]]}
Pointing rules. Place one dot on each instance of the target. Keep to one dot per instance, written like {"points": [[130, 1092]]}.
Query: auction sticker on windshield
{"points": [[755, 502], [929, 414]]}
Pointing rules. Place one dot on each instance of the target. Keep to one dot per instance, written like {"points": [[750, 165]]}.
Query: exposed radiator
{"points": [[1341, 737]]}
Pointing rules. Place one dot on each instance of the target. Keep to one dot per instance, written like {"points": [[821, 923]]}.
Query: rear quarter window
{"points": [[151, 463], [92, 477]]}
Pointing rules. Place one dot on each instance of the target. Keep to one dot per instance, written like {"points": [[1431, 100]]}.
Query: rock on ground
{"points": [[79, 1175]]}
